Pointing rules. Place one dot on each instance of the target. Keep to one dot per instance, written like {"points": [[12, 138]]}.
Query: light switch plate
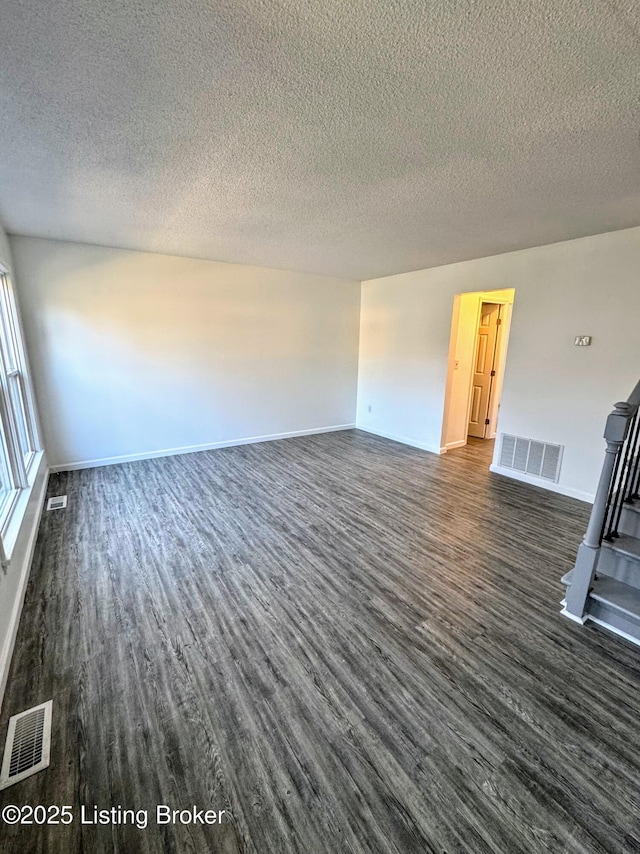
{"points": [[582, 341]]}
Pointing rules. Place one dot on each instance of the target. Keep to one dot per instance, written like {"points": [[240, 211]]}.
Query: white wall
{"points": [[13, 579], [135, 353], [552, 390]]}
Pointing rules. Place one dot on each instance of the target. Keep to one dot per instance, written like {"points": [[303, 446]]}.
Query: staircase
{"points": [[604, 585]]}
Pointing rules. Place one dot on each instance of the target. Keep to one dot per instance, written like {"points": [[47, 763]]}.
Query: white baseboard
{"points": [[451, 445], [6, 653], [192, 449], [569, 491], [613, 629], [565, 613], [602, 623], [404, 440]]}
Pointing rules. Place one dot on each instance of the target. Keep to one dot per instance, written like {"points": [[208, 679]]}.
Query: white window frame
{"points": [[21, 469]]}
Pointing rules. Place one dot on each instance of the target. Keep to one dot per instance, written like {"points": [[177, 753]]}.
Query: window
{"points": [[19, 441]]}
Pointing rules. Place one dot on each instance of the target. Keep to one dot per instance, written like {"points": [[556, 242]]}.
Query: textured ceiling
{"points": [[351, 137]]}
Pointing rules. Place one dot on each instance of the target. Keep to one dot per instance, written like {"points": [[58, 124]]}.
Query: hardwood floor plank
{"points": [[347, 644]]}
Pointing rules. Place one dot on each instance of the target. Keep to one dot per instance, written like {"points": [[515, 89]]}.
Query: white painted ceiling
{"points": [[350, 137]]}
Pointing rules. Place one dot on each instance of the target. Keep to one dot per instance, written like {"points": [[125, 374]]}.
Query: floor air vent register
{"points": [[57, 503], [28, 744]]}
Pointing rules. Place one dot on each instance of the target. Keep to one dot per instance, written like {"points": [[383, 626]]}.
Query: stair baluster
{"points": [[635, 478], [623, 487]]}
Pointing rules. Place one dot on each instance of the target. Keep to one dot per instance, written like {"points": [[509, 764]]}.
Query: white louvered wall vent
{"points": [[530, 457], [28, 744]]}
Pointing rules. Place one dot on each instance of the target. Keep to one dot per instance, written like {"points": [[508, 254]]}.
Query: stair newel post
{"points": [[615, 434]]}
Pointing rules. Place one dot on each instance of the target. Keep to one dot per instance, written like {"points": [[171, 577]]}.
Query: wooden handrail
{"points": [[634, 397]]}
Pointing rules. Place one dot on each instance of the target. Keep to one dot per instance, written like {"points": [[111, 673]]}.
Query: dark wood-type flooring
{"points": [[348, 644]]}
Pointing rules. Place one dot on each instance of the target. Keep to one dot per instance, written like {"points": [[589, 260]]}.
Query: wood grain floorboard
{"points": [[347, 644]]}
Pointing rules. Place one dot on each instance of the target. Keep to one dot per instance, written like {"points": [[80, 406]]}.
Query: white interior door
{"points": [[483, 368]]}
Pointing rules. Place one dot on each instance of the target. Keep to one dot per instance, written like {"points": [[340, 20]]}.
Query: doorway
{"points": [[477, 358], [484, 369]]}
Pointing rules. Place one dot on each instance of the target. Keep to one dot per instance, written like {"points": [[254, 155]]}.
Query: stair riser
{"points": [[615, 619], [629, 522], [626, 569]]}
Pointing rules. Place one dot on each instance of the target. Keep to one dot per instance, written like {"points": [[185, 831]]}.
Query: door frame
{"points": [[462, 348]]}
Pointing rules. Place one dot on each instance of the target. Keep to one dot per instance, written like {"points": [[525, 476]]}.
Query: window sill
{"points": [[19, 506]]}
